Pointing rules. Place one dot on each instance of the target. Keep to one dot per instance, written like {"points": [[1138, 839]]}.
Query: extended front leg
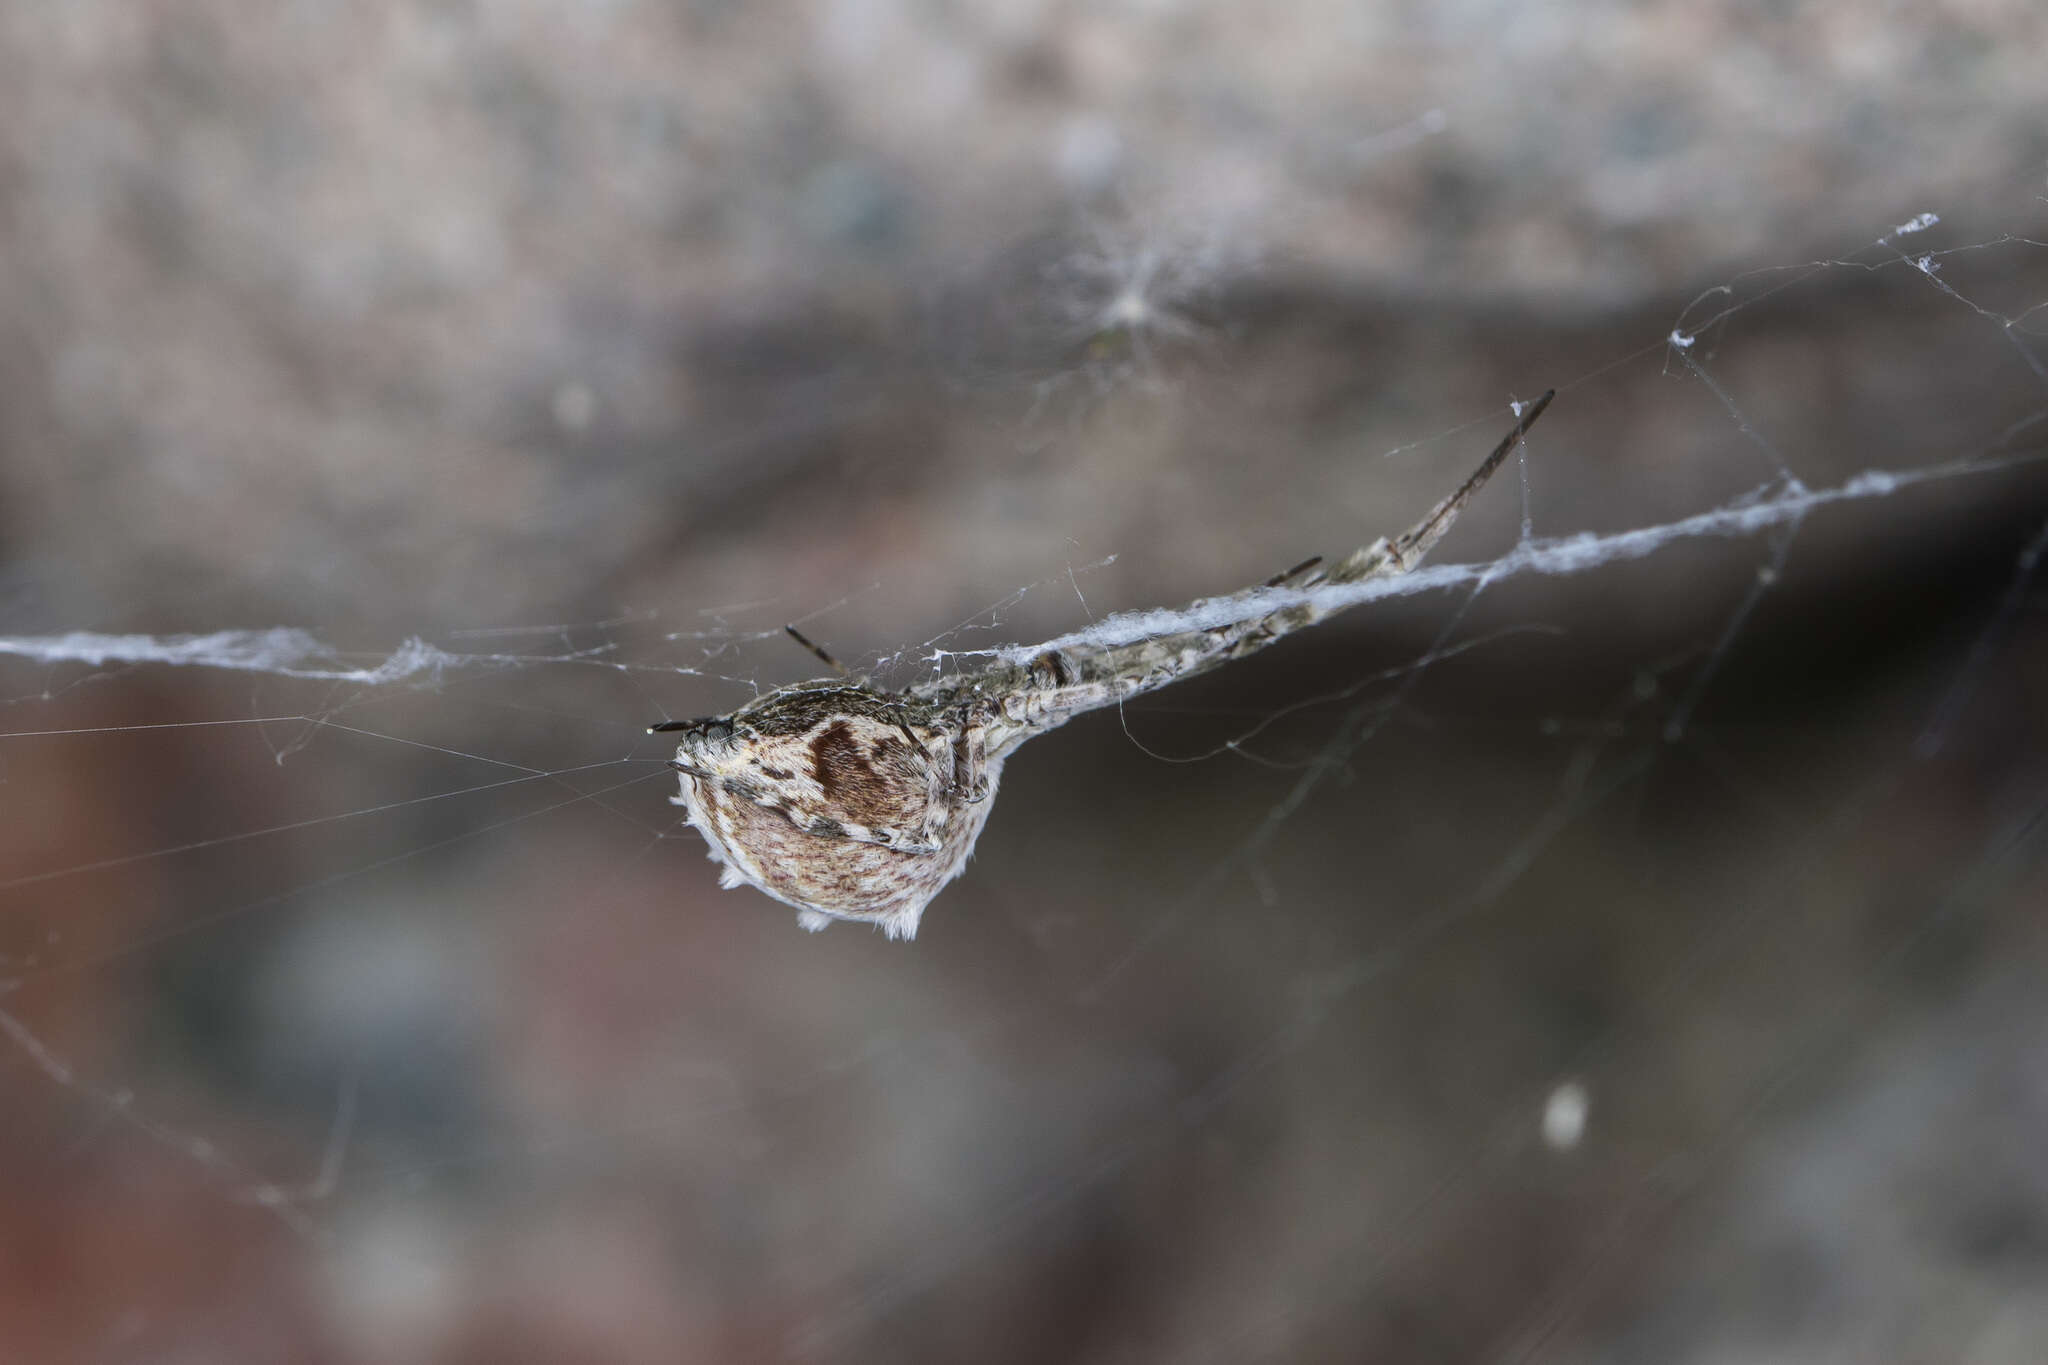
{"points": [[970, 756]]}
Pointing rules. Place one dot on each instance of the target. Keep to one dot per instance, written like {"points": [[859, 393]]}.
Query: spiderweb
{"points": [[1618, 939], [1542, 966]]}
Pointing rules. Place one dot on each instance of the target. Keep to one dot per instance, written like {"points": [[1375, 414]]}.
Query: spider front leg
{"points": [[1403, 552], [969, 782]]}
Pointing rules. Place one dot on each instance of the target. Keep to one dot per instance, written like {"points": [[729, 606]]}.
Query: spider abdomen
{"points": [[824, 873]]}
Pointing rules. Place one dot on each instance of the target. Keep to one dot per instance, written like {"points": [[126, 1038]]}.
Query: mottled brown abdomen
{"points": [[833, 877]]}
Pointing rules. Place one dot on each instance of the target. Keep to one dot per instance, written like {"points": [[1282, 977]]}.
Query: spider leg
{"points": [[1406, 550], [1077, 674], [969, 782], [1409, 547], [1298, 572], [819, 650]]}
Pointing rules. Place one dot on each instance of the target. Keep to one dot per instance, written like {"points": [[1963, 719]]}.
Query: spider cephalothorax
{"points": [[851, 802]]}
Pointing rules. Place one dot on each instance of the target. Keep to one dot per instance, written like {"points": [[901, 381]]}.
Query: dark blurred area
{"points": [[1641, 964]]}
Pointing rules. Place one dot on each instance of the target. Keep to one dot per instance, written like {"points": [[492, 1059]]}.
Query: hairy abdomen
{"points": [[838, 877]]}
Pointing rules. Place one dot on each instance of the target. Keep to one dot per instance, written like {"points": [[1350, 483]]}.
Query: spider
{"points": [[851, 802]]}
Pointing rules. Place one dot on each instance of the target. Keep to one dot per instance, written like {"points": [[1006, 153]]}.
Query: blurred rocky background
{"points": [[1655, 979]]}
